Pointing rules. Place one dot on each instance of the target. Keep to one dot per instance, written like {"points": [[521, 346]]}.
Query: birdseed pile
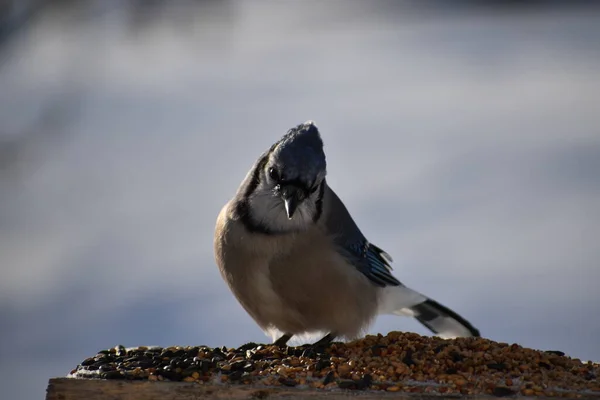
{"points": [[398, 362]]}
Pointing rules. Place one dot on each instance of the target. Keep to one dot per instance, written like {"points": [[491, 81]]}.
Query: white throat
{"points": [[268, 210]]}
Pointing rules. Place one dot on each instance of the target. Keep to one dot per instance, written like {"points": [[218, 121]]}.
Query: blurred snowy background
{"points": [[464, 137]]}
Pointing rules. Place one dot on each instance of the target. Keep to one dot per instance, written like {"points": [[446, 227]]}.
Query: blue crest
{"points": [[300, 153]]}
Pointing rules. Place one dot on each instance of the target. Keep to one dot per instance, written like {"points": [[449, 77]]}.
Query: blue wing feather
{"points": [[379, 268], [369, 259], [373, 262]]}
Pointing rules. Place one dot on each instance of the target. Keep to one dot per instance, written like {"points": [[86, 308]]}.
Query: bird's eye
{"points": [[274, 174]]}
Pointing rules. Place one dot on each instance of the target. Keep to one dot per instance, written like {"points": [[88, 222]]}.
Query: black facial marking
{"points": [[243, 208], [319, 202], [256, 176]]}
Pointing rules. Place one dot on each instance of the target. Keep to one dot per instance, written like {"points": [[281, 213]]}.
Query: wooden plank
{"points": [[95, 389]]}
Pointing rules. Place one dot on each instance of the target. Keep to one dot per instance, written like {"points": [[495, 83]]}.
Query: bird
{"points": [[297, 262]]}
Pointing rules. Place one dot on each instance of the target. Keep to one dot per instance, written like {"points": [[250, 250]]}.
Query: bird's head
{"points": [[290, 184]]}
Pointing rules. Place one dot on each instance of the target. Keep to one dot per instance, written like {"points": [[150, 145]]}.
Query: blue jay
{"points": [[297, 262]]}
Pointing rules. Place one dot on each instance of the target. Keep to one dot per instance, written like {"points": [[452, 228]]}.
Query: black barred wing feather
{"points": [[373, 262]]}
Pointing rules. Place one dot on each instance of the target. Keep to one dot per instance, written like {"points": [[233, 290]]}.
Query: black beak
{"points": [[291, 199]]}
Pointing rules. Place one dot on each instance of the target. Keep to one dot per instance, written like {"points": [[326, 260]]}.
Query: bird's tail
{"points": [[443, 322]]}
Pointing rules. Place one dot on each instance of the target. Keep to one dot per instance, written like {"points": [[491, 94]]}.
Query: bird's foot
{"points": [[282, 341]]}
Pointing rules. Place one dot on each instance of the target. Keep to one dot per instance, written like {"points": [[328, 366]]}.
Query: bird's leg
{"points": [[282, 341], [318, 347], [325, 340]]}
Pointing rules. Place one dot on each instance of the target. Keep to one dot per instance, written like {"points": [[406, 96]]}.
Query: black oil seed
{"points": [[456, 356], [322, 364], [407, 359], [236, 375], [308, 352], [497, 366], [347, 384], [502, 391], [88, 361], [247, 346], [179, 353], [106, 368], [329, 378], [364, 382], [155, 349], [111, 375], [205, 366], [238, 365], [376, 350], [193, 352], [96, 365], [441, 347], [171, 375], [217, 357], [589, 376]]}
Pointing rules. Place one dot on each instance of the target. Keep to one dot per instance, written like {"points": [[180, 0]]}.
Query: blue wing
{"points": [[369, 259], [373, 262]]}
